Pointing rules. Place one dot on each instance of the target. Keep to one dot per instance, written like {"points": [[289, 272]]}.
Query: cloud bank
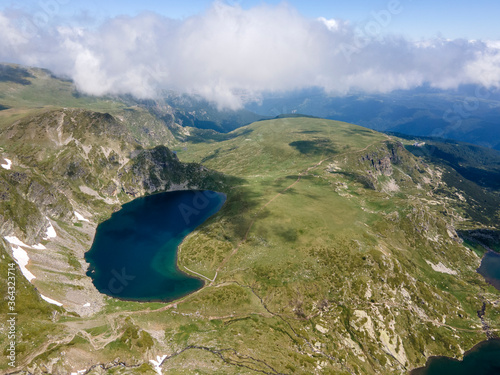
{"points": [[228, 54]]}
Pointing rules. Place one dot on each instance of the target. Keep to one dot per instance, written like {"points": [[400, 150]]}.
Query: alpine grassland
{"points": [[338, 251]]}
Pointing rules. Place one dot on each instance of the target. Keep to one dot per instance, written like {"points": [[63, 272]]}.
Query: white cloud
{"points": [[485, 68], [227, 51], [11, 37], [331, 24]]}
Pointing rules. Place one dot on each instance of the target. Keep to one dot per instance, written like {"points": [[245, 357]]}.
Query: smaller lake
{"points": [[483, 359], [134, 254], [490, 268]]}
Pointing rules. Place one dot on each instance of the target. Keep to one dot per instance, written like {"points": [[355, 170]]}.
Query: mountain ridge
{"points": [[337, 251]]}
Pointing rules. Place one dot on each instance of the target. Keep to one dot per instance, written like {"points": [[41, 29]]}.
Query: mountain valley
{"points": [[339, 250]]}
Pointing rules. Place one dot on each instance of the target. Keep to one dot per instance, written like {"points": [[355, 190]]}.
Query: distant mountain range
{"points": [[470, 114], [339, 249]]}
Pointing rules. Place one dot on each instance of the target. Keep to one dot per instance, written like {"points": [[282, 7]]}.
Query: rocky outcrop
{"points": [[390, 160], [382, 160], [159, 169], [62, 151], [29, 200]]}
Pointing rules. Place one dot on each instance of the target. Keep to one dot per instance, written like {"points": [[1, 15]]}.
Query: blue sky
{"points": [[233, 50], [418, 19]]}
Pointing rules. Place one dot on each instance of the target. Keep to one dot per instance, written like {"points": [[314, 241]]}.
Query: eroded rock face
{"points": [[382, 160], [386, 161], [85, 162], [63, 150], [159, 169], [367, 295]]}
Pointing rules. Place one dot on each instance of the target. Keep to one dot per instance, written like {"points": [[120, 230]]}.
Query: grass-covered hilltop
{"points": [[339, 250]]}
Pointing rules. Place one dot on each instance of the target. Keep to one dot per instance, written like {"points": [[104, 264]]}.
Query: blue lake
{"points": [[483, 359], [490, 268], [134, 254]]}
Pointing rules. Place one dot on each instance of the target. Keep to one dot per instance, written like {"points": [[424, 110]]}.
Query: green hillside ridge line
{"points": [[302, 178], [337, 251]]}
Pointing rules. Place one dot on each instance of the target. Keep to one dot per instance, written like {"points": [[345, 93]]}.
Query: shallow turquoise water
{"points": [[134, 254]]}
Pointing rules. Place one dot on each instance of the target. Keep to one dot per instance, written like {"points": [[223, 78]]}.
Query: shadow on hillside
{"points": [[15, 75], [476, 164], [358, 131], [365, 180], [241, 205], [309, 132], [207, 136], [487, 238], [317, 146]]}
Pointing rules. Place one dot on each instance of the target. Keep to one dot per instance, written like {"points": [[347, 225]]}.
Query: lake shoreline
{"points": [[490, 268], [134, 256], [471, 358]]}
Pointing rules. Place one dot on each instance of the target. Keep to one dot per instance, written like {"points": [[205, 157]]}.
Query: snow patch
{"points": [[80, 217], [50, 300], [22, 259], [80, 372], [8, 165], [13, 240], [158, 363], [51, 232], [39, 247], [87, 304], [440, 267]]}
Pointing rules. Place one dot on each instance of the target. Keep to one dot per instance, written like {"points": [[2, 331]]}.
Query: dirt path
{"points": [[212, 282]]}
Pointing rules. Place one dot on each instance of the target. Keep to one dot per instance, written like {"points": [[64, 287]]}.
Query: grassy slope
{"points": [[300, 247], [52, 158], [310, 257], [41, 92]]}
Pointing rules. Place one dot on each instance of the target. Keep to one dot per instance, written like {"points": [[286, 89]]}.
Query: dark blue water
{"points": [[483, 359], [490, 268], [134, 254]]}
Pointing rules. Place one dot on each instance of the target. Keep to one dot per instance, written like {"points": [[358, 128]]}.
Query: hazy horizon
{"points": [[224, 51]]}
